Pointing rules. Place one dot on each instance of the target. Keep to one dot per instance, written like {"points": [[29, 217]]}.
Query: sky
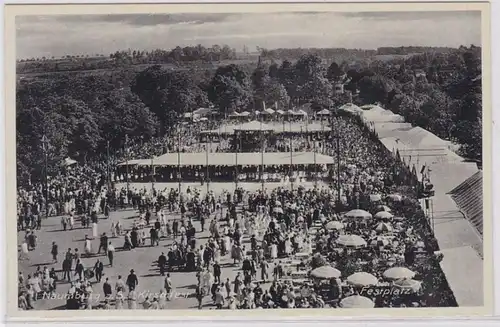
{"points": [[58, 35]]}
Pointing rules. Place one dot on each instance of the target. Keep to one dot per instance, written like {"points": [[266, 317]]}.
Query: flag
{"points": [[422, 171]]}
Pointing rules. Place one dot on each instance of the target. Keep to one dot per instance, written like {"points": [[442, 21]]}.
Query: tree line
{"points": [[177, 56], [84, 114]]}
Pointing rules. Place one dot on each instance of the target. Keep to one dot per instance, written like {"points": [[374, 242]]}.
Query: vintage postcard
{"points": [[313, 160]]}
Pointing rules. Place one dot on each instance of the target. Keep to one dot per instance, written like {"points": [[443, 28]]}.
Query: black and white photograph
{"points": [[249, 160]]}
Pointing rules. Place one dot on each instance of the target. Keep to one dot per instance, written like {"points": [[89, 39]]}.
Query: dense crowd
{"points": [[292, 234]]}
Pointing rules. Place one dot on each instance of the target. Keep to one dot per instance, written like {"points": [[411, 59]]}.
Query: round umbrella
{"points": [[278, 203], [396, 273], [278, 210], [362, 279], [334, 225], [379, 241], [384, 228], [383, 208], [383, 215], [395, 197], [408, 284], [375, 197], [357, 301], [358, 214], [325, 272], [354, 241]]}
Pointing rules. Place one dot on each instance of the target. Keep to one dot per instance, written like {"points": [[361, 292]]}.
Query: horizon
{"points": [[61, 35]]}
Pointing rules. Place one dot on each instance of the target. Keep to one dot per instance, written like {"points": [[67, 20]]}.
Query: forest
{"points": [[83, 115]]}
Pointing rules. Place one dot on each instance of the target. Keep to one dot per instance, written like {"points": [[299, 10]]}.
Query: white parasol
{"points": [[383, 215], [334, 225], [396, 273], [357, 301], [325, 272], [353, 241], [358, 214], [362, 279]]}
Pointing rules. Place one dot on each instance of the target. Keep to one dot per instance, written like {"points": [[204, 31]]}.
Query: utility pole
{"points": [[108, 168], [209, 146], [261, 155], [238, 145], [337, 137], [291, 154], [126, 164], [45, 144], [179, 160], [152, 175]]}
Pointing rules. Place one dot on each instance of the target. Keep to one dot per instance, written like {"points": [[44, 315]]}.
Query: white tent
{"points": [[69, 162], [268, 111], [324, 112]]}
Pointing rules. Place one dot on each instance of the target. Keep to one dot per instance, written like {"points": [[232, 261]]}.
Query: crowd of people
{"points": [[291, 233]]}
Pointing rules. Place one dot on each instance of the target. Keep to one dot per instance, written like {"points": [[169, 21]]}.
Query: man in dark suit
{"points": [[98, 269], [217, 272], [162, 261], [132, 281], [106, 288], [103, 244]]}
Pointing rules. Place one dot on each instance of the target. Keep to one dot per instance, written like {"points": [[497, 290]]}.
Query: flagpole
{"points": [[337, 137], [152, 176], [46, 177], [315, 167], [261, 155], [108, 170], [209, 146], [291, 153], [126, 164], [238, 145], [179, 160]]}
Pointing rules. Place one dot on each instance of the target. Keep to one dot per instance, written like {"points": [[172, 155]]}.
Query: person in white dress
{"points": [[71, 221], [113, 229], [94, 230], [132, 300], [23, 255], [87, 246], [119, 299], [274, 251], [162, 299], [119, 228]]}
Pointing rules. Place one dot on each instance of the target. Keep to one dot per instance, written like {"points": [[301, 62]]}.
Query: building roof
{"points": [[253, 126], [278, 128], [469, 198], [230, 159]]}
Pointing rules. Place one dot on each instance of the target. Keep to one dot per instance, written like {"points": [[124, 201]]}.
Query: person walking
{"points": [[54, 251], [98, 269], [79, 270], [111, 253], [107, 290], [103, 243], [168, 286], [217, 272], [162, 261], [132, 281]]}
